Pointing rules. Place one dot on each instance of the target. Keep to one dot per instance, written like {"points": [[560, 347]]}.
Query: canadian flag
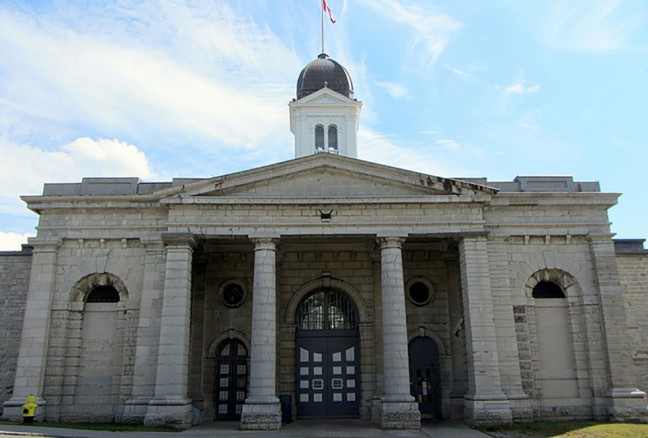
{"points": [[328, 11]]}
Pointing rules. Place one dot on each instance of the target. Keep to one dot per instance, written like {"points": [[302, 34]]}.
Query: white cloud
{"points": [[379, 148], [591, 26], [449, 144], [433, 29], [395, 90], [13, 241], [456, 71], [107, 157], [24, 169], [521, 88], [121, 81]]}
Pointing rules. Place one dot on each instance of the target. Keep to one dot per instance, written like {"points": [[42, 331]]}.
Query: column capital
{"points": [[45, 244], [600, 237], [474, 237], [152, 244], [265, 243], [391, 241], [180, 239]]}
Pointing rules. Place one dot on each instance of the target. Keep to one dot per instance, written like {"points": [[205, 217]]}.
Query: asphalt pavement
{"points": [[298, 429]]}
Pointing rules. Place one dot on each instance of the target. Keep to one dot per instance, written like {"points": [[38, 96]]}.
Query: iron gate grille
{"points": [[230, 380]]}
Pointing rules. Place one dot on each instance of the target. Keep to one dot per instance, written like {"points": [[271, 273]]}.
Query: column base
{"points": [[13, 410], [521, 407], [169, 412], [135, 410], [628, 405], [398, 414], [261, 415], [487, 410]]}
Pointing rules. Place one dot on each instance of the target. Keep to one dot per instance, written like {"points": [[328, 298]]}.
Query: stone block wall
{"points": [[633, 272], [80, 264], [566, 261], [15, 268]]}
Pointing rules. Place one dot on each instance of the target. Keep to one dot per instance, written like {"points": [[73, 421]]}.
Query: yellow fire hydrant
{"points": [[29, 409]]}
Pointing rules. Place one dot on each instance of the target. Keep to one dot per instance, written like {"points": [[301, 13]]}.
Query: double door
{"points": [[328, 374]]}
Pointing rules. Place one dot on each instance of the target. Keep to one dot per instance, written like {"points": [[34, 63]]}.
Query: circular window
{"points": [[419, 291], [233, 294]]}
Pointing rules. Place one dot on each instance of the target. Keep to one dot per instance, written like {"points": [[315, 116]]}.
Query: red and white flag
{"points": [[328, 11]]}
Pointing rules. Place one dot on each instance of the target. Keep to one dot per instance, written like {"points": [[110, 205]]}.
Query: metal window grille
{"points": [[327, 310]]}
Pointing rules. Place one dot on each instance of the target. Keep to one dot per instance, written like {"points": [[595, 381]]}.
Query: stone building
{"points": [[327, 286]]}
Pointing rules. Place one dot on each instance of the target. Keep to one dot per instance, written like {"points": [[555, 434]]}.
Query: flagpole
{"points": [[322, 9]]}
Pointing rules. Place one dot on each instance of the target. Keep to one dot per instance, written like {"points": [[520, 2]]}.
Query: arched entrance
{"points": [[230, 380], [327, 356], [425, 376]]}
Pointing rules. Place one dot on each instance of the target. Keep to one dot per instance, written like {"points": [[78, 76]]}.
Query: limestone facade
{"points": [[14, 281], [209, 276]]}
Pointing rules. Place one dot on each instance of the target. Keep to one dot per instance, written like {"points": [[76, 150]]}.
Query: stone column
{"points": [[32, 358], [626, 402], [485, 403], [148, 333], [261, 410], [171, 405], [399, 410]]}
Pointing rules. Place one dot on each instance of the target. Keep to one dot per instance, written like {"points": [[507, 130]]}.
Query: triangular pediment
{"points": [[327, 176]]}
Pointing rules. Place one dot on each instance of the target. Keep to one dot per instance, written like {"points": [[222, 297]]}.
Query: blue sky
{"points": [[179, 88]]}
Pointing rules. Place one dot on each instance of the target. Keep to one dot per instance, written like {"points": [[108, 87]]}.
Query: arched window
{"points": [[547, 289], [332, 138], [319, 138], [326, 310], [103, 294]]}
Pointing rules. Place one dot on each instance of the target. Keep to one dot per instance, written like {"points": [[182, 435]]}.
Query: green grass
{"points": [[570, 429], [111, 427]]}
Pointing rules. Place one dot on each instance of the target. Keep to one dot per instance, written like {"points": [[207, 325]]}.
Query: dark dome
{"points": [[324, 72]]}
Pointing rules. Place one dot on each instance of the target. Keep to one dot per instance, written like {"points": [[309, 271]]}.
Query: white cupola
{"points": [[325, 117]]}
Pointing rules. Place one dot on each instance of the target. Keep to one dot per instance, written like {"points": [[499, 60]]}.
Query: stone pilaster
{"points": [[171, 405], [261, 410], [148, 334], [32, 358], [626, 402], [509, 358], [485, 403], [457, 338], [399, 410]]}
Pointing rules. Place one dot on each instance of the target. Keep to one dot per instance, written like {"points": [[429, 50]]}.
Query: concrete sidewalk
{"points": [[298, 429]]}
